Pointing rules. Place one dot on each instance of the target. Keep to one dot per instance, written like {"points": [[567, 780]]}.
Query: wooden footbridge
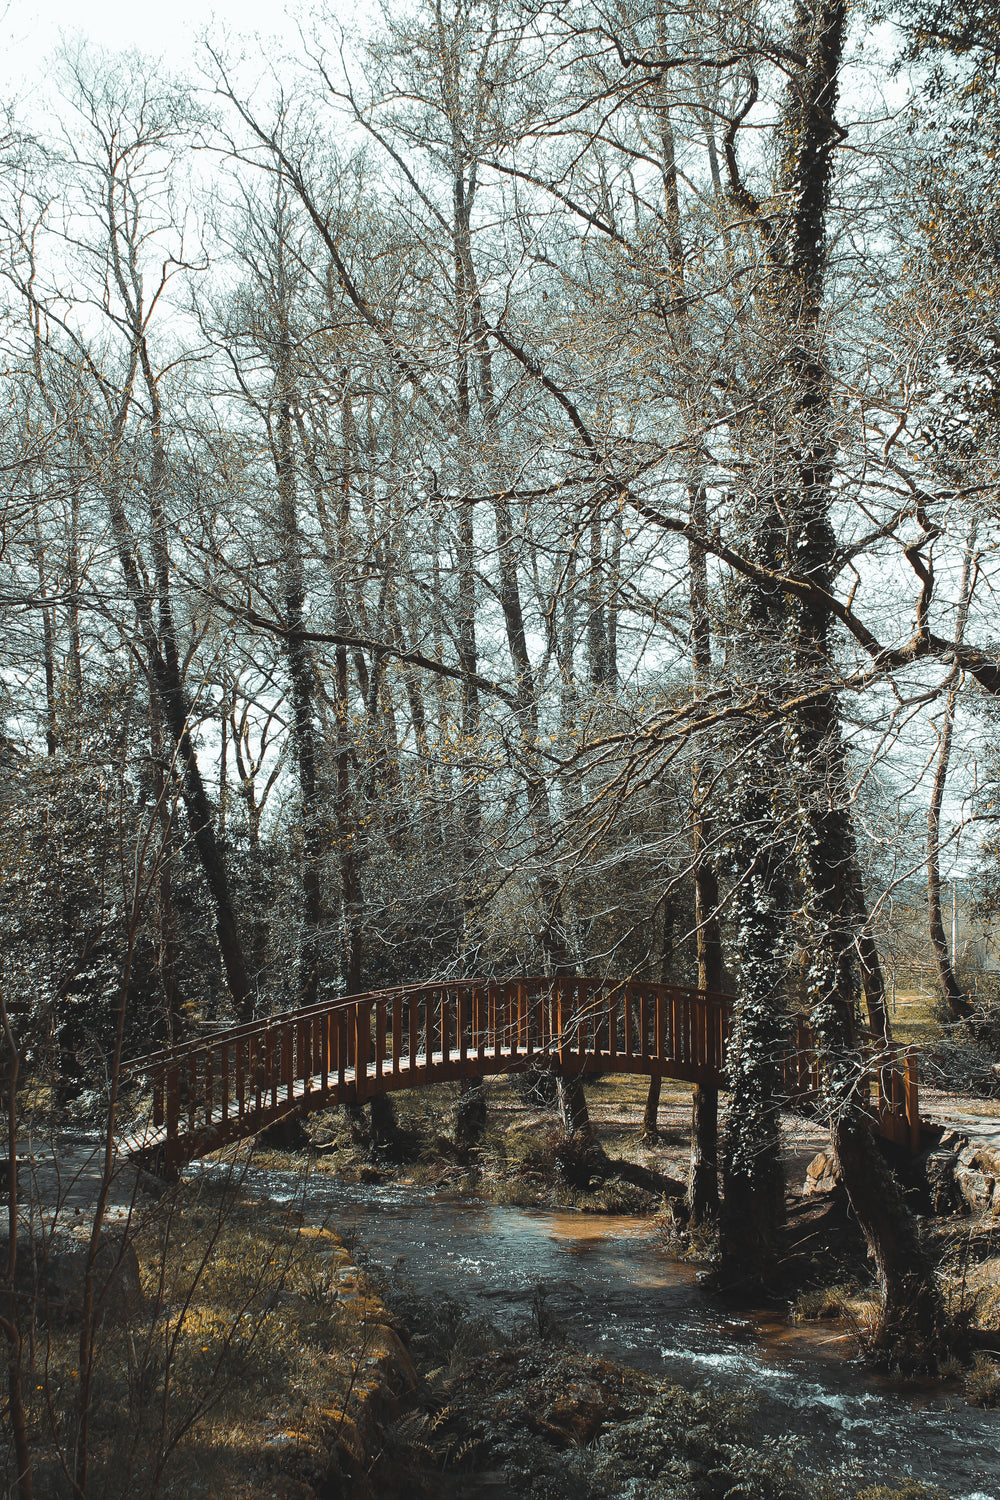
{"points": [[233, 1083]]}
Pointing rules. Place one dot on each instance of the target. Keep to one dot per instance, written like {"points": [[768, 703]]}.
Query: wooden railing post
{"points": [[480, 1021], [209, 1091], [380, 1036], [912, 1101], [429, 1029], [613, 995], [413, 1031], [224, 1084], [445, 1029], [173, 1122], [363, 1030]]}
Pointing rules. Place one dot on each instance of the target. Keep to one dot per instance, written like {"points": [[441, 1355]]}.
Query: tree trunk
{"points": [[573, 1110], [297, 653], [650, 1127], [166, 920], [703, 1178], [911, 1332], [751, 1221], [470, 1115], [955, 997]]}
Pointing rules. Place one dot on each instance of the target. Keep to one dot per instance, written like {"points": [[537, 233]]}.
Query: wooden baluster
{"points": [[159, 1085], [273, 1064], [343, 1043], [510, 1018], [629, 1028], [517, 1017], [583, 988], [413, 1026], [323, 1029], [285, 1046], [209, 1086], [659, 1026], [644, 1022], [173, 1106], [224, 1083], [481, 1021], [494, 1016], [379, 1038], [429, 1029], [397, 1032], [445, 1029], [912, 1101], [363, 1012], [463, 1024], [241, 1080], [306, 1058], [613, 1024], [560, 1021], [193, 1091], [595, 1003]]}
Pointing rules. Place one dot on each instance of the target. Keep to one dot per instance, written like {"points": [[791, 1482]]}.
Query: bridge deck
{"points": [[218, 1089]]}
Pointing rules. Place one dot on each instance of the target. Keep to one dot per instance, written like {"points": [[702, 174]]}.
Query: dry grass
{"points": [[256, 1346], [916, 1017]]}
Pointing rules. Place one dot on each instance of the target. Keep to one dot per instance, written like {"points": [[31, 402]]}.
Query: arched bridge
{"points": [[233, 1083]]}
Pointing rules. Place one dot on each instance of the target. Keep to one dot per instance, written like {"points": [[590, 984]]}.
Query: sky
{"points": [[164, 28]]}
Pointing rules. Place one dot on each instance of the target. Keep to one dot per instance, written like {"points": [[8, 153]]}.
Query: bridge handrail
{"points": [[260, 1025]]}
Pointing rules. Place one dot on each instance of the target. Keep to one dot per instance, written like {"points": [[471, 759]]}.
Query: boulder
{"points": [[51, 1271], [937, 1169], [822, 1174], [977, 1177]]}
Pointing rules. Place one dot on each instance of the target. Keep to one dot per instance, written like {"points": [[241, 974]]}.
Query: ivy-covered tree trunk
{"points": [[799, 539], [753, 1206]]}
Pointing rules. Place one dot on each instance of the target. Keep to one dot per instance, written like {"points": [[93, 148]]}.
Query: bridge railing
{"points": [[369, 1043]]}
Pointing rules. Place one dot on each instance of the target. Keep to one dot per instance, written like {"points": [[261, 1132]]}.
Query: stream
{"points": [[608, 1288]]}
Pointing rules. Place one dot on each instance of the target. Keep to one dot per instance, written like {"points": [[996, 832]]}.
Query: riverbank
{"points": [[250, 1359]]}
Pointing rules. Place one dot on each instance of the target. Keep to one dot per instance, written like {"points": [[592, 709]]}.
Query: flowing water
{"points": [[604, 1282]]}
